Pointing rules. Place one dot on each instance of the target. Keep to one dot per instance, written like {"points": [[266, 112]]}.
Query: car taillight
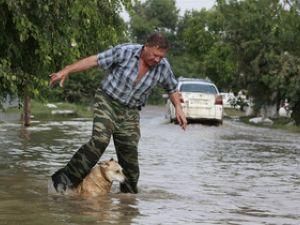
{"points": [[219, 100]]}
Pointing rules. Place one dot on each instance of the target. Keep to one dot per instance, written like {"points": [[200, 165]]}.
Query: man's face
{"points": [[152, 55]]}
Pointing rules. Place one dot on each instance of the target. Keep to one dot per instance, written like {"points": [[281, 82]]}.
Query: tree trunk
{"points": [[27, 110], [269, 111], [296, 113]]}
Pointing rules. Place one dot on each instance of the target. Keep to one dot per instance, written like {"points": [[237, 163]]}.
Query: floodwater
{"points": [[232, 174]]}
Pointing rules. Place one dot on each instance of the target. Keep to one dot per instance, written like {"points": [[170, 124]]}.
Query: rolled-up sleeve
{"points": [[109, 57]]}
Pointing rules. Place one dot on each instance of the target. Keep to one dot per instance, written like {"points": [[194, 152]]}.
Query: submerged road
{"points": [[231, 174]]}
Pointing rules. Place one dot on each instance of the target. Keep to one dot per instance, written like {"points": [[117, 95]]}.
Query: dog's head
{"points": [[112, 170]]}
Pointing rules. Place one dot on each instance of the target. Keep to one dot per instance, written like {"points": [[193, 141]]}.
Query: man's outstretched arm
{"points": [[79, 66]]}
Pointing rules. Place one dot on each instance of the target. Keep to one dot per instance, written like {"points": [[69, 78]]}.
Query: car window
{"points": [[202, 88]]}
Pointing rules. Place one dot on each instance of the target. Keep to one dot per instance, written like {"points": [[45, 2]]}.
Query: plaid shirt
{"points": [[122, 63]]}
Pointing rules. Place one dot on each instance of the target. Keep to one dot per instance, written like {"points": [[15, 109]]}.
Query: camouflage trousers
{"points": [[111, 119]]}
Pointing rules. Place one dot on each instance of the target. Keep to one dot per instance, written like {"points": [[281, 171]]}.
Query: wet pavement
{"points": [[231, 174]]}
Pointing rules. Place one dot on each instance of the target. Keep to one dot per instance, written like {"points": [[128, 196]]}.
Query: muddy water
{"points": [[233, 174]]}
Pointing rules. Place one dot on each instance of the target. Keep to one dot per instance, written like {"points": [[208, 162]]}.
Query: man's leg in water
{"points": [[126, 138], [88, 154]]}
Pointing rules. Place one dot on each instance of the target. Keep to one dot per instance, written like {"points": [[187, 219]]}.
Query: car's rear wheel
{"points": [[219, 123], [172, 120]]}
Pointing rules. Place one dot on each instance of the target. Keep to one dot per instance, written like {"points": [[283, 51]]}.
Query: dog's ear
{"points": [[104, 164]]}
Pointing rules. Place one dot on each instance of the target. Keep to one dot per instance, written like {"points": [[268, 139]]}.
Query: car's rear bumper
{"points": [[212, 113]]}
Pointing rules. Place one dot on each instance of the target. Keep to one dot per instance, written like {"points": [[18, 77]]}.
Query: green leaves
{"points": [[41, 37], [7, 79], [153, 15]]}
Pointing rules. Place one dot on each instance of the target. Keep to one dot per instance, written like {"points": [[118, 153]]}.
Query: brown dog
{"points": [[100, 179]]}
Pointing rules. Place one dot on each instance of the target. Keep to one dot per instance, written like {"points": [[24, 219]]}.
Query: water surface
{"points": [[232, 174]]}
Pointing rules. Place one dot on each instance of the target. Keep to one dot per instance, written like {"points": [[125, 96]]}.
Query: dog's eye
{"points": [[118, 171]]}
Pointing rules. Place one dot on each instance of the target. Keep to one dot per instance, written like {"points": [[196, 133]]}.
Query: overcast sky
{"points": [[184, 5]]}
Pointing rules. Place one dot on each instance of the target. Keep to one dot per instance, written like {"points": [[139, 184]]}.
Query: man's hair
{"points": [[157, 40]]}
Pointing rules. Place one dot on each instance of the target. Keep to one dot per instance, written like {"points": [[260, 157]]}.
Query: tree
{"points": [[252, 45], [201, 34], [265, 37], [39, 37], [153, 15], [288, 33]]}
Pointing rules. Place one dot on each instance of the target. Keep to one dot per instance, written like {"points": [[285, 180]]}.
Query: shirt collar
{"points": [[138, 52]]}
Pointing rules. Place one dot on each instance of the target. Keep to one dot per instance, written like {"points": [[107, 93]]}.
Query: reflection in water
{"points": [[114, 208], [233, 174]]}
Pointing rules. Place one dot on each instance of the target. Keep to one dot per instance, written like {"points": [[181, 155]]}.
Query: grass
{"points": [[233, 113], [41, 110], [279, 123]]}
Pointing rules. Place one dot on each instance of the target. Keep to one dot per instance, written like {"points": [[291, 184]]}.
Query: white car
{"points": [[201, 101]]}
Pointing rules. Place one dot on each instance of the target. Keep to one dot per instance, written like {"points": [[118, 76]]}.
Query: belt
{"points": [[115, 99]]}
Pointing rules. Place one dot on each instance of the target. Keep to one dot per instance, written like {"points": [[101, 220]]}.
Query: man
{"points": [[133, 70]]}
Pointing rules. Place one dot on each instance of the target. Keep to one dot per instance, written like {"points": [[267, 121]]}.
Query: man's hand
{"points": [[180, 116], [79, 66], [58, 77], [176, 98]]}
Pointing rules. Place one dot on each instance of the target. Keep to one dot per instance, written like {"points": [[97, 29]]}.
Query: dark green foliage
{"points": [[153, 15], [41, 37]]}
